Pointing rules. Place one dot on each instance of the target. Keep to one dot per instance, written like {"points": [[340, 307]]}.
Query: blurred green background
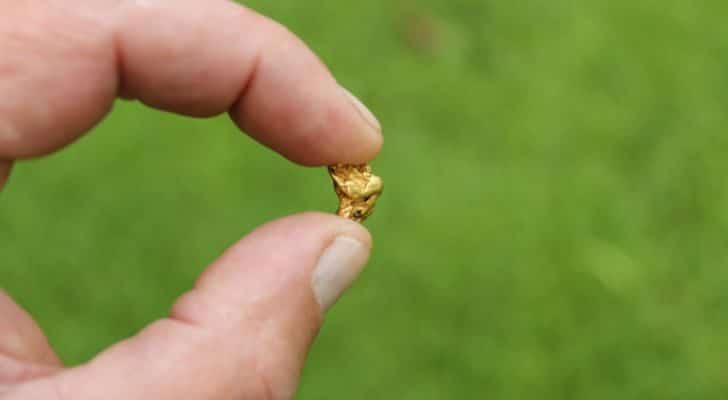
{"points": [[555, 224]]}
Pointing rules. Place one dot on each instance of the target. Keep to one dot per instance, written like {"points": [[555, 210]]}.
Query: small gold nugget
{"points": [[358, 190]]}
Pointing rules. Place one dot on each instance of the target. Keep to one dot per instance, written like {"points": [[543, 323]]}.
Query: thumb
{"points": [[244, 331]]}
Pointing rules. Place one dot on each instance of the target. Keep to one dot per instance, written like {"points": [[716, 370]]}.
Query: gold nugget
{"points": [[358, 190]]}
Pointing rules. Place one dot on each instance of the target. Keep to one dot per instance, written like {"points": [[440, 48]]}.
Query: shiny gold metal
{"points": [[358, 190]]}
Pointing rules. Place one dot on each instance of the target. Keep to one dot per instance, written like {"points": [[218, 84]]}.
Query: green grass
{"points": [[555, 224]]}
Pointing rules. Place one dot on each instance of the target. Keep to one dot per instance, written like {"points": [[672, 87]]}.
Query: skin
{"points": [[244, 331]]}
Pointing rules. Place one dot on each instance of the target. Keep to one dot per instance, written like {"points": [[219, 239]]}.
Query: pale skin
{"points": [[244, 331]]}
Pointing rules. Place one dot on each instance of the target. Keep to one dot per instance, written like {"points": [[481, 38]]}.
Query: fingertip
{"points": [[375, 139], [293, 105], [277, 261], [323, 228], [374, 126], [342, 251], [329, 225], [316, 131]]}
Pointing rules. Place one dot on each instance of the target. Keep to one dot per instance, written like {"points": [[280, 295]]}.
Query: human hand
{"points": [[244, 330]]}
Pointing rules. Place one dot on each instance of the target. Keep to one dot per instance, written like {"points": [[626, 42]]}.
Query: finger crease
{"points": [[247, 85]]}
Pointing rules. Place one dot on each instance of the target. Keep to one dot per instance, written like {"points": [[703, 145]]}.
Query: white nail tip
{"points": [[365, 113]]}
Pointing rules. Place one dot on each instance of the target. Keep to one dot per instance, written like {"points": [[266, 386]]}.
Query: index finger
{"points": [[198, 58]]}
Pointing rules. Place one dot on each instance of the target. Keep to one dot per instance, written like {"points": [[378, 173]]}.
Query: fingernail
{"points": [[338, 267], [367, 115]]}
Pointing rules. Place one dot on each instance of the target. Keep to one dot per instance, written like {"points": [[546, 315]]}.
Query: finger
{"points": [[5, 167], [245, 329], [57, 75], [21, 338], [191, 57]]}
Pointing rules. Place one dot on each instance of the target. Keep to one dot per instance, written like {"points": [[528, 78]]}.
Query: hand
{"points": [[244, 330]]}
